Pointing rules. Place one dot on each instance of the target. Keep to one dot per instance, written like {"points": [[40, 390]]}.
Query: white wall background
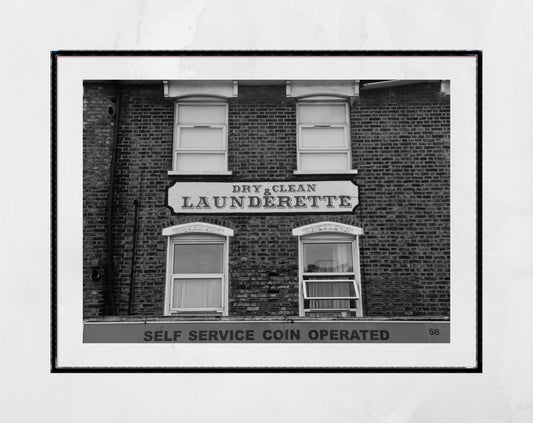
{"points": [[503, 393]]}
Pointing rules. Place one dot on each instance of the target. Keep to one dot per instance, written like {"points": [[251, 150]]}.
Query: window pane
{"points": [[330, 289], [197, 293], [201, 137], [328, 257], [322, 138], [324, 161], [202, 114], [318, 304], [198, 258], [331, 314], [197, 162], [321, 113]]}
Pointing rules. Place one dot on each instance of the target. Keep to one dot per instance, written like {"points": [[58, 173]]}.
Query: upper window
{"points": [[200, 138], [323, 137], [197, 275], [330, 281]]}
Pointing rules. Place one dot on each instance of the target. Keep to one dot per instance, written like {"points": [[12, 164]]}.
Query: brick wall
{"points": [[400, 147], [99, 103]]}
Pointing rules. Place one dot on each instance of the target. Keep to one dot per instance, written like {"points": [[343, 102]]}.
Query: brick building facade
{"points": [[396, 239]]}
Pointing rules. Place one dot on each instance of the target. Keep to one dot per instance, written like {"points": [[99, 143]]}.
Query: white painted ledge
{"points": [[225, 172], [326, 172]]}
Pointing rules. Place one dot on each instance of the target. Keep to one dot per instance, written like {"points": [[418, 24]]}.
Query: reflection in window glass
{"points": [[328, 257], [198, 258]]}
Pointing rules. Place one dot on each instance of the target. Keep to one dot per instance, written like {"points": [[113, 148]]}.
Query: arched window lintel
{"points": [[327, 227], [199, 228]]}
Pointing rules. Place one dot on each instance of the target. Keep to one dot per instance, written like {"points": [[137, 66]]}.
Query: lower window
{"points": [[330, 282], [197, 274]]}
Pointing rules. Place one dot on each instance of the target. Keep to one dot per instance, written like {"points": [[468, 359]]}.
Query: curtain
{"points": [[197, 293], [329, 289], [328, 257], [342, 256]]}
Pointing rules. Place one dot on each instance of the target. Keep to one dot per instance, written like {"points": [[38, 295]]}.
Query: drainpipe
{"points": [[109, 305], [133, 251]]}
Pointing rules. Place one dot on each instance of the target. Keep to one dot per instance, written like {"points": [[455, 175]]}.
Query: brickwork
{"points": [[99, 104], [400, 147]]}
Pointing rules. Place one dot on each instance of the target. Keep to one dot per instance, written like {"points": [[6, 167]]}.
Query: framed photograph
{"points": [[266, 211]]}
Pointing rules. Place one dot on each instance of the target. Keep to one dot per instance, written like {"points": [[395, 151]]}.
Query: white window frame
{"points": [[346, 148], [177, 149], [329, 233], [195, 234], [308, 297]]}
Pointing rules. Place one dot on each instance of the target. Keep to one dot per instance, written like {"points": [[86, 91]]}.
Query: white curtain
{"points": [[329, 289], [197, 293], [342, 256]]}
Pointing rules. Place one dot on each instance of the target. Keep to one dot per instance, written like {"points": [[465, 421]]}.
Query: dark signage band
{"points": [[268, 332]]}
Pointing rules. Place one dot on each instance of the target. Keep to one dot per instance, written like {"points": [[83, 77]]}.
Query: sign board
{"points": [[268, 332], [263, 197]]}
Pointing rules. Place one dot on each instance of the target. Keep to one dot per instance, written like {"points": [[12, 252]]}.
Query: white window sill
{"points": [[326, 172], [224, 172], [201, 314]]}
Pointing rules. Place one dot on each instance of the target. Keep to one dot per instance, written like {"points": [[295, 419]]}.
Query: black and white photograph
{"points": [[261, 205], [271, 207]]}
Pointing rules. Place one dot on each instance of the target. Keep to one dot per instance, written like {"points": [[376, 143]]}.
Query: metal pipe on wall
{"points": [[133, 251], [109, 307]]}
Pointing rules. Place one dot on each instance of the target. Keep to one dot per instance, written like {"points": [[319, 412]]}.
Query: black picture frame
{"points": [[54, 368]]}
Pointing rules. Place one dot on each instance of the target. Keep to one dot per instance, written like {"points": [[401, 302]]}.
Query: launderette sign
{"points": [[263, 197]]}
